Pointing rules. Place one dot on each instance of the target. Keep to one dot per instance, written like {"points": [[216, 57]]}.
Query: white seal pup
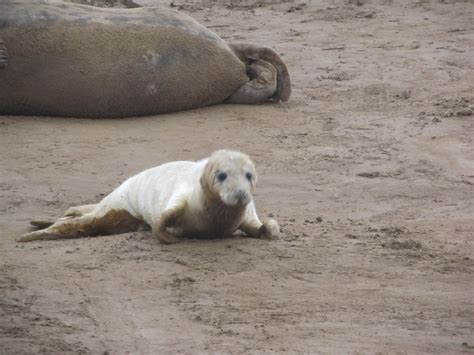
{"points": [[208, 198]]}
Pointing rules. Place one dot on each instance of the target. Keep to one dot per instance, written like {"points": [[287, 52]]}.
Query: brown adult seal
{"points": [[64, 59]]}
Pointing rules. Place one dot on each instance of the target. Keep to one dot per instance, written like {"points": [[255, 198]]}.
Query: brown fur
{"points": [[82, 61], [221, 219], [113, 222], [262, 86], [249, 53], [102, 89]]}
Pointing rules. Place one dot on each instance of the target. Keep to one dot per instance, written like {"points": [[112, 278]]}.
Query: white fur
{"points": [[152, 191], [146, 195], [183, 198]]}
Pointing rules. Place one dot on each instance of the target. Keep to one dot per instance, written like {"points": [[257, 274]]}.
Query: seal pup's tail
{"points": [[249, 53]]}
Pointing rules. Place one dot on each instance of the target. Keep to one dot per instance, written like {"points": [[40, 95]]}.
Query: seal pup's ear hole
{"points": [[251, 176], [207, 177]]}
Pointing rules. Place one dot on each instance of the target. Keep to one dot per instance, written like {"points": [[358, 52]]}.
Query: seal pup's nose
{"points": [[241, 195]]}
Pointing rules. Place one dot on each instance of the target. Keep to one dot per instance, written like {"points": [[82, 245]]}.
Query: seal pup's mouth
{"points": [[235, 199]]}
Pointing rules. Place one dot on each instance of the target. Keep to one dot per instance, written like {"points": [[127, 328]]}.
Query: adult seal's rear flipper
{"points": [[249, 54], [261, 86], [3, 55]]}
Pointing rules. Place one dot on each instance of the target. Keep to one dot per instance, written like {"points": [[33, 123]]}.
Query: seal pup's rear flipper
{"points": [[41, 223]]}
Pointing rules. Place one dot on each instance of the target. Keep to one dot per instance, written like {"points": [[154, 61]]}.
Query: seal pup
{"points": [[208, 198], [65, 59]]}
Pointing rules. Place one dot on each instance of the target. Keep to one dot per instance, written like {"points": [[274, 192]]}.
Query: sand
{"points": [[369, 168]]}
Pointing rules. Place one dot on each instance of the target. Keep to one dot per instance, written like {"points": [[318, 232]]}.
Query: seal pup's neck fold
{"points": [[223, 218]]}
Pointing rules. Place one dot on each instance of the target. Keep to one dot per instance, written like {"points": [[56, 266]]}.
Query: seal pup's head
{"points": [[229, 177]]}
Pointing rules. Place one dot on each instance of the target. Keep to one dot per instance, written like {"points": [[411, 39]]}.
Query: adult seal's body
{"points": [[64, 59]]}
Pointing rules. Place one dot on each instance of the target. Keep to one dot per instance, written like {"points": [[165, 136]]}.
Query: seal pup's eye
{"points": [[249, 176], [221, 177]]}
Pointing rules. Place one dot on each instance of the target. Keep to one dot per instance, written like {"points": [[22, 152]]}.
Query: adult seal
{"points": [[64, 59]]}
